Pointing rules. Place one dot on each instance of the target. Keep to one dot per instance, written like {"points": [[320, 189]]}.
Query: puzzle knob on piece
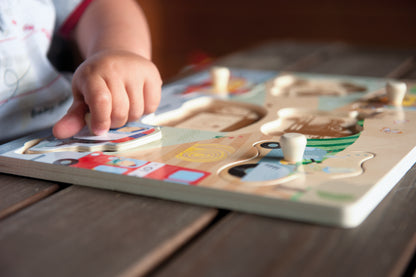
{"points": [[280, 84], [293, 146], [284, 81], [395, 92], [220, 79]]}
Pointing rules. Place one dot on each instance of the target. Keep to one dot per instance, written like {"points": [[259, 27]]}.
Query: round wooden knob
{"points": [[395, 92], [220, 78], [293, 146], [284, 81]]}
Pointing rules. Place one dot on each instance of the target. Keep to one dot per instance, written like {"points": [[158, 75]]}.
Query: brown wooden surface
{"points": [[248, 245], [86, 232], [17, 193], [80, 231], [411, 72]]}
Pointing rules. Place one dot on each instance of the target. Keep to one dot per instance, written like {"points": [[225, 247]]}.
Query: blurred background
{"points": [[189, 32]]}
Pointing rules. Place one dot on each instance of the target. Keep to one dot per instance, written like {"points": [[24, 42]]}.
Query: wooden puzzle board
{"points": [[225, 152]]}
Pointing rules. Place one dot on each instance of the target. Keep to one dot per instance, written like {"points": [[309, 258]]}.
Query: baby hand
{"points": [[115, 87]]}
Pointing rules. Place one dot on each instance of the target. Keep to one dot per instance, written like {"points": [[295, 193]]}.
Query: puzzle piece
{"points": [[343, 166], [129, 136]]}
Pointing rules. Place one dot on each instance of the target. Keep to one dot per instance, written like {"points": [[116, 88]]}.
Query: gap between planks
{"points": [[175, 246], [17, 193], [28, 201]]}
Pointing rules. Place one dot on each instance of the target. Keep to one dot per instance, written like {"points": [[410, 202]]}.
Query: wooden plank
{"points": [[271, 55], [410, 68], [17, 193], [326, 58], [87, 232], [247, 245], [277, 55], [364, 61]]}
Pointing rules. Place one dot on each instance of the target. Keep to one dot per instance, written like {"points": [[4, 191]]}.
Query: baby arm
{"points": [[117, 82]]}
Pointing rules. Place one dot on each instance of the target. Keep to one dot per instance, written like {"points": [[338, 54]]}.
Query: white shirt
{"points": [[33, 94]]}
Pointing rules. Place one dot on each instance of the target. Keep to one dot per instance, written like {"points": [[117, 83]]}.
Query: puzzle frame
{"points": [[224, 152]]}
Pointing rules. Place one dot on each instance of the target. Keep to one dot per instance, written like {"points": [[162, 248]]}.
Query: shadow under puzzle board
{"points": [[224, 151]]}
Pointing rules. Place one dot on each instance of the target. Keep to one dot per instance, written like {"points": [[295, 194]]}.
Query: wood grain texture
{"points": [[17, 193], [247, 245], [362, 61], [87, 232], [276, 55], [410, 71]]}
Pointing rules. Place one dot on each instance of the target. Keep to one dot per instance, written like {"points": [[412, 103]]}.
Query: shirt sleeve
{"points": [[68, 13]]}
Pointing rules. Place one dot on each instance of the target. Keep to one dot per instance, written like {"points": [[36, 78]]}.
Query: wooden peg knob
{"points": [[284, 81], [395, 92], [220, 79], [293, 146]]}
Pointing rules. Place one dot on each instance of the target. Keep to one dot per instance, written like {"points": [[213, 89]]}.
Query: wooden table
{"points": [[49, 229]]}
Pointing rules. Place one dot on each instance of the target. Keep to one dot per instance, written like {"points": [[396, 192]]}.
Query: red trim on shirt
{"points": [[72, 20]]}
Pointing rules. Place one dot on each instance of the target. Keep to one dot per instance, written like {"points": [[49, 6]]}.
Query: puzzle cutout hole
{"points": [[313, 124], [265, 168], [289, 85], [211, 114], [29, 144]]}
